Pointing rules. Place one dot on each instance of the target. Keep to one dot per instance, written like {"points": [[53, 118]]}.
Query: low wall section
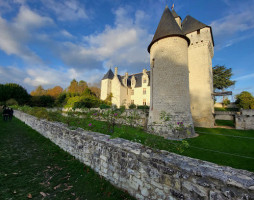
{"points": [[245, 120], [225, 115], [144, 172]]}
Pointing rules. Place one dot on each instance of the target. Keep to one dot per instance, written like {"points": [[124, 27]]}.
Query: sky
{"points": [[51, 42]]}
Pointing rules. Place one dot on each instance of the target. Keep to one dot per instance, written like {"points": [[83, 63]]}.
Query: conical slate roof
{"points": [[175, 14], [167, 28], [190, 24], [108, 75]]}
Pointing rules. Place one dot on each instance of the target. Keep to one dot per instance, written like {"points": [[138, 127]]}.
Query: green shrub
{"points": [[132, 106], [245, 100], [104, 106], [226, 101], [11, 102], [122, 108], [143, 107], [87, 102], [71, 101], [42, 101]]}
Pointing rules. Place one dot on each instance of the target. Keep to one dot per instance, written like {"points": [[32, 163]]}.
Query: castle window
{"points": [[144, 90], [132, 92], [144, 102], [144, 80], [198, 31], [132, 101]]}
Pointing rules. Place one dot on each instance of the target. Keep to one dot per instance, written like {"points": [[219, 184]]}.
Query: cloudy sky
{"points": [[50, 42]]}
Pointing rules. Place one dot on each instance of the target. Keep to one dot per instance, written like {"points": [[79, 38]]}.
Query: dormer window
{"points": [[144, 80]]}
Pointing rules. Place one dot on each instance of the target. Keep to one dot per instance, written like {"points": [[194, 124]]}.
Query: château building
{"points": [[180, 79]]}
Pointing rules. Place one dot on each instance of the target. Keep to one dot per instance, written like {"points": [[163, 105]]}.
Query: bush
{"points": [[87, 102], [245, 100], [132, 106], [122, 108], [226, 101], [61, 99], [11, 102], [42, 101], [104, 106], [143, 107]]}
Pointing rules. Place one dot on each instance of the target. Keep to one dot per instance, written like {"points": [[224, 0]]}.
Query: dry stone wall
{"points": [[144, 172], [245, 120]]}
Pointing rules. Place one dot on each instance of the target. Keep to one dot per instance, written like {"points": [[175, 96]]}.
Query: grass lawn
{"points": [[237, 147], [33, 167], [229, 123]]}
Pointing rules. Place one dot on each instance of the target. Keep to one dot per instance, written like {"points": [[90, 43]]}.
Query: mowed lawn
{"points": [[32, 167], [228, 147]]}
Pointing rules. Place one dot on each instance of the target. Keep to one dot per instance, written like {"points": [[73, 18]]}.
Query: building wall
{"points": [[200, 54], [138, 96], [144, 172], [170, 86], [105, 88], [116, 91]]}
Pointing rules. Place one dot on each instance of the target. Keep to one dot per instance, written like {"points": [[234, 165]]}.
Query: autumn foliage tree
{"points": [[39, 91], [55, 91]]}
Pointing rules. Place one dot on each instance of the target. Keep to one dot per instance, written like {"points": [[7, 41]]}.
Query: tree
{"points": [[13, 91], [55, 91], [73, 87], [221, 77], [96, 91], [82, 85], [39, 91], [245, 100]]}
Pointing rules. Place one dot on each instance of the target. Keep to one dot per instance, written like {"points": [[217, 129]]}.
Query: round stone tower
{"points": [[169, 114]]}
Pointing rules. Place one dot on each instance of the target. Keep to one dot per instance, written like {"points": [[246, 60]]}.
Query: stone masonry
{"points": [[144, 172]]}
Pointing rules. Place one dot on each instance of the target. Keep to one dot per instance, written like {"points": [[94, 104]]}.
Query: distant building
{"points": [[180, 81]]}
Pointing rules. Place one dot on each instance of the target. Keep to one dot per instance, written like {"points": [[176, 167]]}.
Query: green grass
{"points": [[225, 109], [239, 144], [230, 123], [241, 149], [31, 164]]}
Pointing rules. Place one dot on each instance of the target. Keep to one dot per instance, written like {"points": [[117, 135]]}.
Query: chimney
{"points": [[116, 69]]}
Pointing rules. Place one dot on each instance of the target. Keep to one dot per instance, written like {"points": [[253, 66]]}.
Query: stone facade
{"points": [[245, 120], [170, 88], [199, 63], [200, 54], [127, 89], [144, 172]]}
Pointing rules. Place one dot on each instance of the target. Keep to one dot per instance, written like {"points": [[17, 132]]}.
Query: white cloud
{"points": [[123, 44], [245, 77], [235, 25], [66, 9], [15, 35]]}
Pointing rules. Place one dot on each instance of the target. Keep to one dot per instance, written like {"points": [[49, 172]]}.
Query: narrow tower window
{"points": [[198, 31], [144, 90]]}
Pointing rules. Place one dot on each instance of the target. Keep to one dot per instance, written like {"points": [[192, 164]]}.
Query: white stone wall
{"points": [[200, 54], [105, 88], [170, 86], [146, 173]]}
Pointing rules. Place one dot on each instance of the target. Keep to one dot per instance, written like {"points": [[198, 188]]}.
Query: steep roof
{"points": [[167, 27], [191, 24], [108, 75], [138, 78], [175, 14]]}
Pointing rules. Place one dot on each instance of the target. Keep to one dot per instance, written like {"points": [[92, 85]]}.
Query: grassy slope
{"points": [[30, 164], [232, 145]]}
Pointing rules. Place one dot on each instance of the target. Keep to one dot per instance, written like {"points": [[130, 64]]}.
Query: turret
{"points": [[200, 54], [169, 80], [106, 84], [177, 18]]}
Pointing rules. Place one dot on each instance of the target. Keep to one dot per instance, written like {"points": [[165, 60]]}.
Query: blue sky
{"points": [[50, 42]]}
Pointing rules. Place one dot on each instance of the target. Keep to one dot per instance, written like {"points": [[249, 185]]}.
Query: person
{"points": [[10, 114], [5, 113]]}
